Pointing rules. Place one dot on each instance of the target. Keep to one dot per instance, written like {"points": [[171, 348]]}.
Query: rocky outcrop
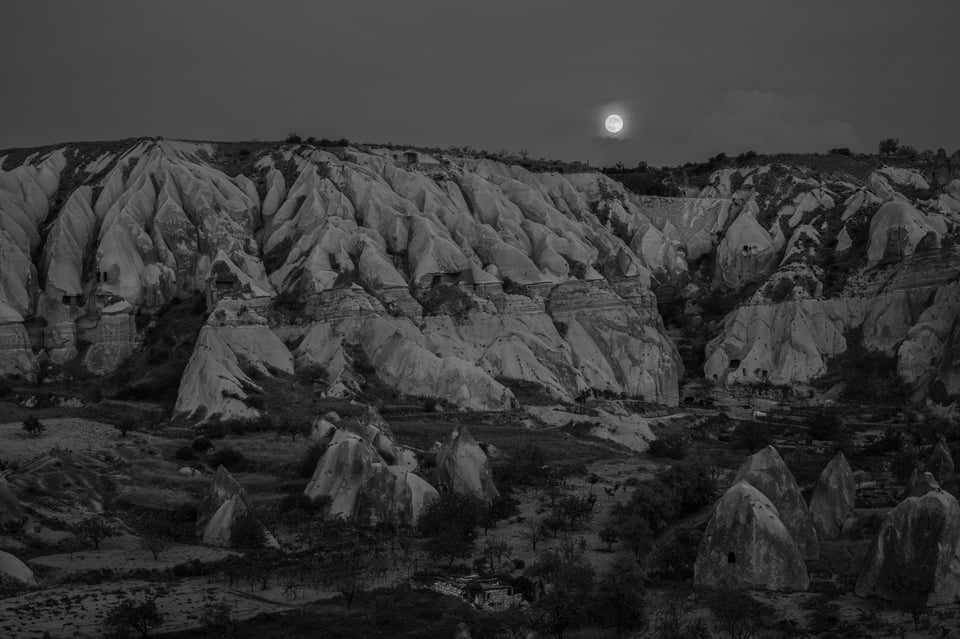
{"points": [[746, 253], [234, 346], [767, 472], [223, 504], [915, 551], [746, 545], [940, 463], [896, 230], [834, 497], [14, 569], [463, 467], [356, 482]]}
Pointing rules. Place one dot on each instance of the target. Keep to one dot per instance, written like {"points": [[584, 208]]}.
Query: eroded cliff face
{"points": [[815, 256], [451, 277]]}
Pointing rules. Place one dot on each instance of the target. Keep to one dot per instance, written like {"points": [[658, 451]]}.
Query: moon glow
{"points": [[613, 123]]}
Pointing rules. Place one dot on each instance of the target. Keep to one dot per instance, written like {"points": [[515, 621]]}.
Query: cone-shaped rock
{"points": [[768, 473], [915, 552], [463, 466], [224, 503], [922, 484], [940, 463], [746, 545], [11, 514], [833, 497], [13, 568], [360, 484]]}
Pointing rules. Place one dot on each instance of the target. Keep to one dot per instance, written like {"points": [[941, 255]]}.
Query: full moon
{"points": [[614, 123]]}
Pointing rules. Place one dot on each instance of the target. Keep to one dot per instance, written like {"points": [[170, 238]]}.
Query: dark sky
{"points": [[690, 78]]}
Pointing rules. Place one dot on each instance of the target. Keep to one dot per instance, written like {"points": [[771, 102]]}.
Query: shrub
{"points": [[129, 614], [888, 146], [5, 389], [841, 151], [255, 400], [670, 447], [751, 436], [229, 458], [33, 426], [201, 444], [450, 524], [185, 453], [310, 458], [293, 138], [447, 299]]}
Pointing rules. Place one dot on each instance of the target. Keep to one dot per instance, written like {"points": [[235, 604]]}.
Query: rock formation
{"points": [[463, 468], [11, 513], [767, 472], [940, 463], [13, 568], [357, 482], [833, 499], [915, 551], [223, 504], [746, 545]]}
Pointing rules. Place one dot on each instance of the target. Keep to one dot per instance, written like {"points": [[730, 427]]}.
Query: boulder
{"points": [[940, 463], [896, 229], [224, 502], [360, 484], [768, 473], [463, 467], [915, 552], [833, 497], [13, 568], [746, 545], [11, 513]]}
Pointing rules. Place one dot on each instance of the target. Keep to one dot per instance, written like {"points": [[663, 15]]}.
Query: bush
{"points": [[751, 436], [841, 151], [447, 299], [5, 389], [670, 447], [450, 524], [33, 426], [309, 460], [888, 146], [293, 138], [229, 458], [201, 444], [129, 614]]}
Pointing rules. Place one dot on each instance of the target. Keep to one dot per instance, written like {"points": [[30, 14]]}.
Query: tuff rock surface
{"points": [[746, 545], [833, 498], [223, 503], [463, 466], [915, 551], [767, 472]]}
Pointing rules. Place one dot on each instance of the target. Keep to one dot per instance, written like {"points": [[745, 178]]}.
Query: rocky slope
{"points": [[452, 278], [458, 277], [812, 252]]}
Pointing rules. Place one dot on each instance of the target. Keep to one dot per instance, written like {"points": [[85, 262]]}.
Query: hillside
{"points": [[461, 278]]}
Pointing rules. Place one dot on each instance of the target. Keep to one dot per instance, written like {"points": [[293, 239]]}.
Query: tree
{"points": [[132, 614], [567, 580], [247, 532], [156, 545], [535, 530], [216, 621], [496, 547], [124, 427], [33, 426], [94, 529], [293, 428], [619, 598], [609, 536], [450, 525], [575, 509], [889, 146]]}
